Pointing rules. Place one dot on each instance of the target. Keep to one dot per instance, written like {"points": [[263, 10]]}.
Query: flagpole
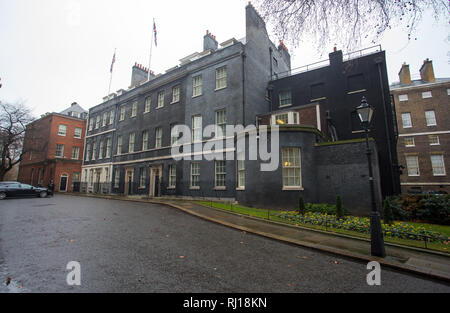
{"points": [[151, 46], [112, 69]]}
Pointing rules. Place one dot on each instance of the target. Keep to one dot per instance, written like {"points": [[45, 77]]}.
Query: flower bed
{"points": [[362, 225]]}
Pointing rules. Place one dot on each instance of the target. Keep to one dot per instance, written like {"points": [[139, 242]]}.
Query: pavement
{"points": [[432, 264]]}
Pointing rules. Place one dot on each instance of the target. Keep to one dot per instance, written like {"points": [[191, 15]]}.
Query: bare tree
{"points": [[346, 22], [13, 121]]}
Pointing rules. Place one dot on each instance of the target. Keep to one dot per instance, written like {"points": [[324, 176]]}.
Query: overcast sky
{"points": [[55, 52]]}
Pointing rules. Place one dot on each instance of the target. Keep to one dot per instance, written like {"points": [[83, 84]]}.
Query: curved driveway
{"points": [[139, 247]]}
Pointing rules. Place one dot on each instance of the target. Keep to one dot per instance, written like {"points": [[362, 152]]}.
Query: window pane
{"points": [[291, 167], [412, 164], [285, 98], [431, 118], [437, 162], [406, 120]]}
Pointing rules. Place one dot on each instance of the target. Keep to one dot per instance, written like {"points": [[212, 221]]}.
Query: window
{"points": [[409, 142], [122, 113], [197, 86], [172, 175], [434, 140], [62, 130], [241, 170], [119, 145], [100, 152], [221, 123], [285, 98], [97, 122], [142, 177], [158, 137], [430, 117], [94, 150], [59, 150], [448, 92], [111, 117], [281, 119], [147, 105], [412, 164], [88, 151], [403, 98], [195, 175], [77, 133], [91, 177], [116, 178], [91, 123], [220, 174], [406, 120], [426, 94], [131, 143], [175, 94], [196, 128], [134, 109], [160, 99], [75, 153], [108, 148], [221, 77], [174, 135], [145, 140], [291, 167], [437, 163], [105, 119]]}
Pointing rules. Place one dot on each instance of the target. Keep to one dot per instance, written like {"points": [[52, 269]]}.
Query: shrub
{"points": [[388, 217], [435, 209], [301, 206], [339, 208]]}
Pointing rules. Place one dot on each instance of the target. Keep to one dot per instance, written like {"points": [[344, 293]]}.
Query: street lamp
{"points": [[365, 113]]}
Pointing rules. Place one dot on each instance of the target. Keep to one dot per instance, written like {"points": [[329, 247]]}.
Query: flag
{"points": [[113, 60], [154, 32]]}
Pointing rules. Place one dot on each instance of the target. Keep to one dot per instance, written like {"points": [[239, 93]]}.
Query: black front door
{"points": [[156, 184], [63, 183]]}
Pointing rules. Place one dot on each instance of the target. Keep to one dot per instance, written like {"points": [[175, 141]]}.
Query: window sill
{"points": [[285, 105], [217, 89], [197, 96], [220, 188], [173, 102], [194, 188], [171, 188], [318, 99], [292, 188], [439, 174], [157, 108], [356, 91], [240, 188]]}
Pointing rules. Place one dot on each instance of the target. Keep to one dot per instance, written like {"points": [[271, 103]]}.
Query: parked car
{"points": [[16, 189]]}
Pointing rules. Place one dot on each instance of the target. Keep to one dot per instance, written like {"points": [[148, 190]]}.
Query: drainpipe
{"points": [[243, 55]]}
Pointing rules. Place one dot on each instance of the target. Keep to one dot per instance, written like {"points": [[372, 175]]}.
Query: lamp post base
{"points": [[376, 235]]}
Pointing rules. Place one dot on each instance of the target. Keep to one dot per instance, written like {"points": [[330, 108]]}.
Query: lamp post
{"points": [[365, 113]]}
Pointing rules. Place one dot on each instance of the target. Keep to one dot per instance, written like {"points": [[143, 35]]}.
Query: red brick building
{"points": [[57, 154], [423, 117]]}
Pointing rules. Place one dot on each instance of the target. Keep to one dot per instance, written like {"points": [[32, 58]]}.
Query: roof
{"points": [[75, 107], [419, 83]]}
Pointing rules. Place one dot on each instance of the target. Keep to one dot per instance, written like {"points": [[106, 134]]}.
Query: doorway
{"points": [[155, 181], [129, 181], [63, 183]]}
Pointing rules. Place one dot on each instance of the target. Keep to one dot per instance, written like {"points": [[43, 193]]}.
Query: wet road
{"points": [[139, 247]]}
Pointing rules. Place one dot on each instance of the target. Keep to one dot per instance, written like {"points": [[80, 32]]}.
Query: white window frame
{"points": [[403, 97], [176, 94], [172, 176], [148, 103], [158, 137], [408, 115], [94, 151], [409, 144], [434, 143], [62, 130], [282, 98], [77, 132], [91, 123], [119, 145], [145, 140], [197, 86], [220, 174], [131, 142], [100, 150], [197, 132], [142, 177], [116, 177], [108, 148], [241, 170], [426, 94], [441, 164], [61, 155], [88, 151], [75, 153], [293, 118], [134, 108], [221, 123], [174, 135], [412, 165], [122, 113], [97, 121], [430, 117], [291, 165], [221, 77], [160, 103], [194, 181], [111, 117], [105, 119]]}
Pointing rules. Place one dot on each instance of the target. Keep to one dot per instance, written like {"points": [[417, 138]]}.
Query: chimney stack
{"points": [[427, 72], [404, 74], [139, 74], [210, 42]]}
